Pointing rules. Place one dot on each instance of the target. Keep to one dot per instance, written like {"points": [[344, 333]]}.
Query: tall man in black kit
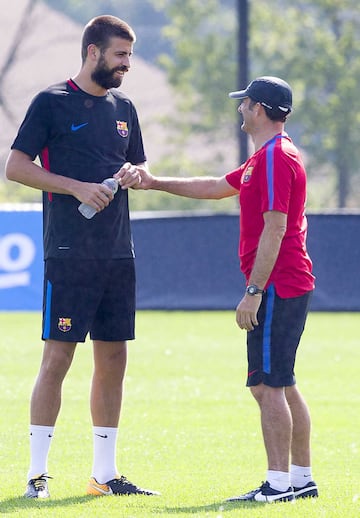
{"points": [[83, 131]]}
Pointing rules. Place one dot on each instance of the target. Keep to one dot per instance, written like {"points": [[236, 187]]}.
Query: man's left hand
{"points": [[246, 312]]}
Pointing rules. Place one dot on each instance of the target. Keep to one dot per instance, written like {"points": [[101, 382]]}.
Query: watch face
{"points": [[252, 289]]}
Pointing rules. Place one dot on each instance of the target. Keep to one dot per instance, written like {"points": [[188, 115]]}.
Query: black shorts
{"points": [[89, 296], [272, 346]]}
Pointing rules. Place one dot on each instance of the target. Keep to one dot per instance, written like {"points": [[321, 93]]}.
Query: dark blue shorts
{"points": [[89, 296], [272, 346]]}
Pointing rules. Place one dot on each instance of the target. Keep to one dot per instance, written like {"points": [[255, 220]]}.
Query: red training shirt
{"points": [[274, 178]]}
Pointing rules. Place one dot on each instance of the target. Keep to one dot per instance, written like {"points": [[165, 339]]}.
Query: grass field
{"points": [[189, 428]]}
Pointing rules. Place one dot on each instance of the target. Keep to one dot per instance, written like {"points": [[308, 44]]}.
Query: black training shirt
{"points": [[88, 138]]}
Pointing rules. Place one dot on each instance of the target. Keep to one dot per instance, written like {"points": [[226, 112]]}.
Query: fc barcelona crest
{"points": [[246, 177], [122, 128], [64, 324]]}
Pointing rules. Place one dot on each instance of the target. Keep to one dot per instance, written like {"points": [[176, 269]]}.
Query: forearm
{"points": [[199, 187], [194, 187], [268, 249], [26, 172], [266, 256], [267, 253]]}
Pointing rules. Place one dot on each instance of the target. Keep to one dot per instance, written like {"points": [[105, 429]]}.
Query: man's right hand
{"points": [[96, 195], [134, 176]]}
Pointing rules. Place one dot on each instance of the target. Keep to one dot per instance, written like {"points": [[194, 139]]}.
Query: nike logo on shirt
{"points": [[75, 127]]}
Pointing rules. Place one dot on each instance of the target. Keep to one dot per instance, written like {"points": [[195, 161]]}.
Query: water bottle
{"points": [[87, 210]]}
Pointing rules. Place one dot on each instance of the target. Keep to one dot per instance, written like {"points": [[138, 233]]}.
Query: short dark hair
{"points": [[99, 30], [273, 114]]}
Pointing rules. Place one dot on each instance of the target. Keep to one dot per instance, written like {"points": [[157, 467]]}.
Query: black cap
{"points": [[271, 92]]}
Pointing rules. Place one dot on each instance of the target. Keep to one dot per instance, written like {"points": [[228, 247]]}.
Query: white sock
{"points": [[279, 480], [40, 440], [300, 475], [104, 464]]}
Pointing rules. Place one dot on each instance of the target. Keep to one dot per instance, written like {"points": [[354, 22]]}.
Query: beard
{"points": [[105, 76]]}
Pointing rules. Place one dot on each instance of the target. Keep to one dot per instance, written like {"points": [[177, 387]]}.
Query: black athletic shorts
{"points": [[272, 345], [89, 296]]}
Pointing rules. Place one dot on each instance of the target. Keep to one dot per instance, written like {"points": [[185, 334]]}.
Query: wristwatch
{"points": [[252, 289]]}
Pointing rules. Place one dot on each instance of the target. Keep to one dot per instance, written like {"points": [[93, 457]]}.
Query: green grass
{"points": [[189, 427]]}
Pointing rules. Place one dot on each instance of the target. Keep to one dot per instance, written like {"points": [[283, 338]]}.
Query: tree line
{"points": [[314, 45]]}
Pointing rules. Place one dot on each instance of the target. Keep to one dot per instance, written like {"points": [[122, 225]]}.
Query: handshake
{"points": [[134, 176], [96, 197]]}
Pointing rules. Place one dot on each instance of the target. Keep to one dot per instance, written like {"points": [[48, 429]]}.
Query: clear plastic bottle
{"points": [[87, 210]]}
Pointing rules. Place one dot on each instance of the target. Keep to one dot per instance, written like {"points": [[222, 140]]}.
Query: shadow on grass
{"points": [[215, 507], [19, 502]]}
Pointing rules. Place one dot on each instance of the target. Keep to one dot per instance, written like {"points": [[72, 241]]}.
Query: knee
{"points": [[258, 393], [110, 361], [292, 394], [266, 395], [56, 360]]}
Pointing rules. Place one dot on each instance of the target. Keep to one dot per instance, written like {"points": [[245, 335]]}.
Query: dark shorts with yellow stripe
{"points": [[89, 296], [272, 346]]}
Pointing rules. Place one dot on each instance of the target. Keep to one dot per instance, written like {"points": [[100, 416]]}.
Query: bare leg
{"points": [[107, 384], [300, 445], [46, 396], [276, 425]]}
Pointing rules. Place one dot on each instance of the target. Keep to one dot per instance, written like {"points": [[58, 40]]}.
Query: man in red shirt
{"points": [[271, 186]]}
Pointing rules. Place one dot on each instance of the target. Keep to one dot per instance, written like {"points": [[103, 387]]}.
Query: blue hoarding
{"points": [[186, 261], [21, 260]]}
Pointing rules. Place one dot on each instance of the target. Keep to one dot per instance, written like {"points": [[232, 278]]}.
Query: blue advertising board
{"points": [[21, 260], [186, 262]]}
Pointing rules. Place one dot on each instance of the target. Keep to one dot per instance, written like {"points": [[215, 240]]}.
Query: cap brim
{"points": [[241, 94]]}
